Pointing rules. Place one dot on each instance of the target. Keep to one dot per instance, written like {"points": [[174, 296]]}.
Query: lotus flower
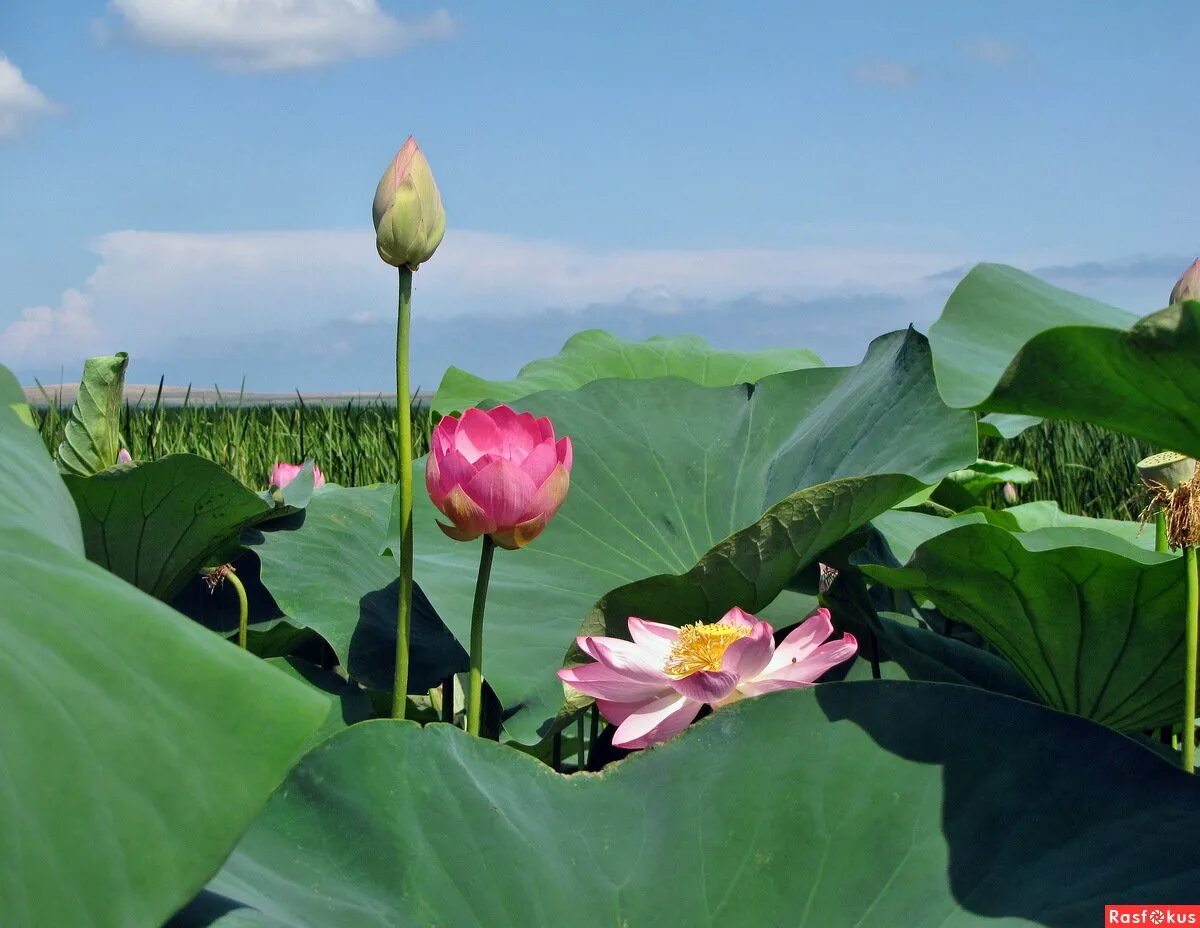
{"points": [[1188, 285], [283, 474], [497, 473], [124, 457], [408, 214], [652, 688]]}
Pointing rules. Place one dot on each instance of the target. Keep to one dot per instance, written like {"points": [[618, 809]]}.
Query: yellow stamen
{"points": [[701, 647]]}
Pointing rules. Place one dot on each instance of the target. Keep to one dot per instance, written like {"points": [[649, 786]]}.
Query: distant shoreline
{"points": [[138, 394]]}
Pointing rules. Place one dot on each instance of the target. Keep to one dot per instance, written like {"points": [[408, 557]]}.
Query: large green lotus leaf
{"points": [[872, 804], [1093, 623], [981, 475], [1008, 342], [350, 702], [33, 497], [900, 646], [686, 500], [1004, 425], [905, 531], [910, 652], [1046, 514], [595, 355], [135, 746], [12, 396], [326, 573], [156, 524], [92, 439]]}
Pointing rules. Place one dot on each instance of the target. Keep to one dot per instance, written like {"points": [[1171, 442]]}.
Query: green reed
{"points": [[1088, 469], [354, 443]]}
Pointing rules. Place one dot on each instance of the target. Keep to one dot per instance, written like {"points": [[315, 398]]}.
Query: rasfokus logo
{"points": [[1152, 915]]}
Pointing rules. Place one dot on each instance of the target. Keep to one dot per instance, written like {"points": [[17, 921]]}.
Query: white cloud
{"points": [[886, 72], [151, 289], [991, 51], [43, 334], [277, 35], [20, 101]]}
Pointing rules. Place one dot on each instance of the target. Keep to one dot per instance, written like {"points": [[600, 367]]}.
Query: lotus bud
{"points": [[283, 473], [408, 214], [1188, 286], [497, 473], [124, 457], [1169, 469], [1009, 491]]}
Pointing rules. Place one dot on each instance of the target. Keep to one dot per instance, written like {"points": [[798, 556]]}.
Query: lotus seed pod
{"points": [[1168, 468], [408, 215], [1188, 285]]}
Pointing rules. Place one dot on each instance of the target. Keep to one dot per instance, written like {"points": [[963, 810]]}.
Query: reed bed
{"points": [[353, 443], [1089, 470]]}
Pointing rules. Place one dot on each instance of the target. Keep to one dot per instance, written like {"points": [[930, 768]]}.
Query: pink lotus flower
{"points": [[652, 688], [497, 473], [124, 457], [283, 474]]}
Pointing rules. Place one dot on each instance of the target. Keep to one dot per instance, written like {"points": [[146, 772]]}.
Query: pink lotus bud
{"points": [[497, 473], [1010, 494], [408, 215], [124, 457], [283, 474], [1188, 286]]}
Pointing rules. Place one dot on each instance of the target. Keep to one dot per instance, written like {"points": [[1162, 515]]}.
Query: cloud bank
{"points": [[262, 297], [315, 309]]}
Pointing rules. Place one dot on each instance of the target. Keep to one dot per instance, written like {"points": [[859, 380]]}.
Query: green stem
{"points": [[594, 733], [405, 490], [243, 607], [580, 757], [1160, 531], [1188, 735], [475, 694]]}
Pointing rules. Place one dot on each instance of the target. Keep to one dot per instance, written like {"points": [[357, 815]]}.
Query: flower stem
{"points": [[1188, 735], [405, 488], [475, 694], [243, 607], [580, 757], [1160, 531]]}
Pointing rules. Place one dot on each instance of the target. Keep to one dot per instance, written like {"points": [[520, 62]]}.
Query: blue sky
{"points": [[191, 180]]}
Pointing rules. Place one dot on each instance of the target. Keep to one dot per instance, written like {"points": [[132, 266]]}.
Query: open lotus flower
{"points": [[652, 688], [497, 473], [283, 474]]}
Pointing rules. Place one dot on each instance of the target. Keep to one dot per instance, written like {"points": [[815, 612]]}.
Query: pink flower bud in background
{"points": [[283, 474], [124, 457], [1010, 494], [1188, 285], [497, 473]]}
